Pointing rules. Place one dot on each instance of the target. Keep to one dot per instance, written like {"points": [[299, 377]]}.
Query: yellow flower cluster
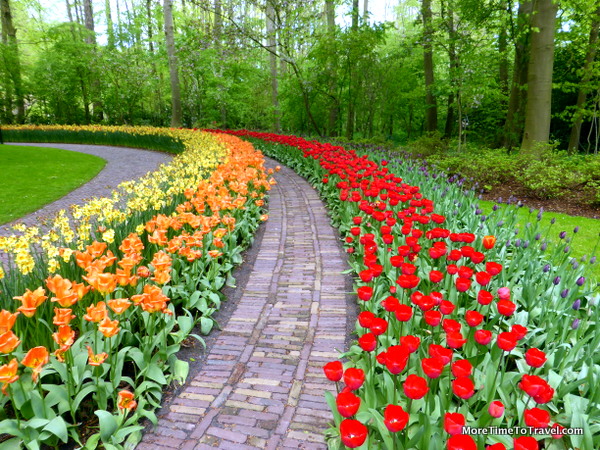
{"points": [[202, 154]]}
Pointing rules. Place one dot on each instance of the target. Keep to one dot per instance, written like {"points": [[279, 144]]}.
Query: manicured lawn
{"points": [[31, 177], [583, 242]]}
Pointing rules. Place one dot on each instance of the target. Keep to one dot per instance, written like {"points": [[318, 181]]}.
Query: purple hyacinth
{"points": [[564, 293], [544, 246], [562, 234], [576, 229], [580, 281], [556, 280], [538, 236], [575, 324], [576, 304], [546, 268]]}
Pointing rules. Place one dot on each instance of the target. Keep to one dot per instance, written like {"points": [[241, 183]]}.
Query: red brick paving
{"points": [[262, 385]]}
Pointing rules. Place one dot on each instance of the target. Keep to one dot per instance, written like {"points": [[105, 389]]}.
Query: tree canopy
{"points": [[494, 72]]}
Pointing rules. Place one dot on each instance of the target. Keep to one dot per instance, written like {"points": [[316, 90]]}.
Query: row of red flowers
{"points": [[441, 344]]}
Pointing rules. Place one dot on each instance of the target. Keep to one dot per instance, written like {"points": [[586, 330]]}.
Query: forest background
{"points": [[496, 73]]}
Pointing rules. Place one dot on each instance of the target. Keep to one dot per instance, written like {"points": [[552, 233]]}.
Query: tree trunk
{"points": [[513, 126], [539, 79], [176, 113], [109, 26], [91, 39], [9, 39], [218, 27], [366, 11], [454, 66], [89, 22], [585, 79], [430, 100], [272, 43], [334, 104], [352, 84]]}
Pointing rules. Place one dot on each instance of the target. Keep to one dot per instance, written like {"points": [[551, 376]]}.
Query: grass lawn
{"points": [[31, 177], [583, 243]]}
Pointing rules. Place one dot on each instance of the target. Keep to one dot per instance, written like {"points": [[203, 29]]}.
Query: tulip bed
{"points": [[94, 311], [465, 320]]}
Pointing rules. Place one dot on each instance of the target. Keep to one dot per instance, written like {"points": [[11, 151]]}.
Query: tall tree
{"points": [[12, 61], [176, 110], [539, 77], [334, 103], [584, 88], [352, 75], [272, 43], [428, 68], [513, 125]]}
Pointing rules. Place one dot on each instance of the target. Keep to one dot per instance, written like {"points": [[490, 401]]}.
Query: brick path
{"points": [[261, 385]]}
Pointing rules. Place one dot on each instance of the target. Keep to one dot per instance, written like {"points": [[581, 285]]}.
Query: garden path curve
{"points": [[122, 164], [262, 384]]}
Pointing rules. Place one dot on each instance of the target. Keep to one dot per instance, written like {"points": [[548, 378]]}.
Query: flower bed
{"points": [[471, 334], [92, 319]]}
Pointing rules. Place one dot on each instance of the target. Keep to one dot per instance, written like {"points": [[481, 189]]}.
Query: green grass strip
{"points": [[582, 243], [31, 177]]}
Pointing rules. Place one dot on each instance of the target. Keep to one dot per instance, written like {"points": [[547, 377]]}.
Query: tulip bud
{"points": [[496, 409]]}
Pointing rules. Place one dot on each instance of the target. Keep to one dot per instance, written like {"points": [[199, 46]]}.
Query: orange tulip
{"points": [[126, 400], [96, 249], [8, 342], [31, 300], [489, 242], [61, 288], [105, 283], [119, 305], [95, 360], [152, 300], [95, 313], [161, 277], [143, 272], [109, 327], [35, 359], [62, 316], [7, 320], [81, 289], [8, 374], [131, 244], [161, 261], [64, 337], [83, 260]]}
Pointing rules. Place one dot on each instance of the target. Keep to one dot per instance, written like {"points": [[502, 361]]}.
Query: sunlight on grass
{"points": [[583, 243], [35, 176]]}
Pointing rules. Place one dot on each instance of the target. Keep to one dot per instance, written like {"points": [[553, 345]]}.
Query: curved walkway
{"points": [[262, 383], [122, 164]]}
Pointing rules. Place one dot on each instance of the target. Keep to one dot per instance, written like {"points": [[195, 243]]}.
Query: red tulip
{"points": [[451, 269], [463, 284], [484, 297], [463, 387], [378, 326], [454, 255], [366, 275], [535, 358], [455, 340], [397, 260], [462, 368], [535, 386], [506, 307], [519, 330], [396, 358], [536, 417], [493, 268], [365, 293], [353, 433], [408, 281], [368, 342], [506, 341], [437, 351], [473, 318], [446, 307], [450, 325], [403, 313], [433, 318], [525, 443], [410, 342], [483, 278], [461, 442], [390, 304], [483, 337], [454, 423], [347, 404], [477, 257], [435, 276], [465, 272], [365, 319], [415, 387], [334, 370], [498, 446], [395, 418], [557, 434], [354, 378], [432, 367]]}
